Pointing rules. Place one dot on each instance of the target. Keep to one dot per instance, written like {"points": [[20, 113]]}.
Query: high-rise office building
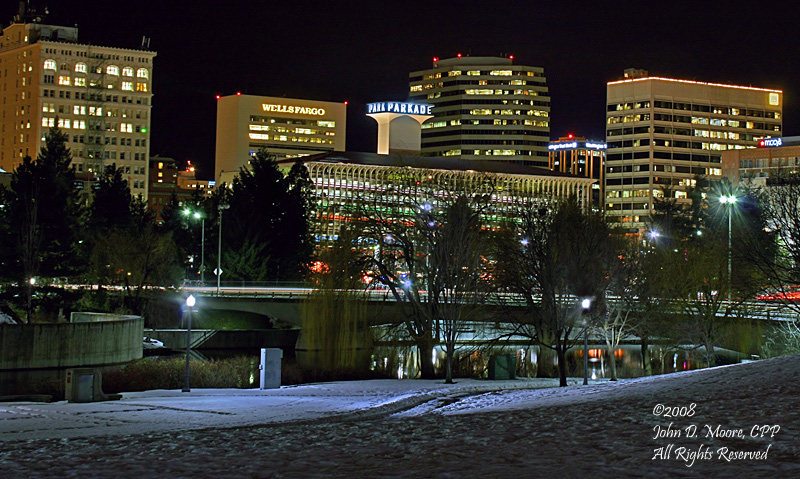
{"points": [[581, 157], [662, 132], [484, 108], [284, 127], [100, 97]]}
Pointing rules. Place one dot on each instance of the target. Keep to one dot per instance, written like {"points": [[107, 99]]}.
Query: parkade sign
{"points": [[398, 107]]}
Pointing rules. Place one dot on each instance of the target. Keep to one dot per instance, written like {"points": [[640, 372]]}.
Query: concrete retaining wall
{"points": [[28, 352]]}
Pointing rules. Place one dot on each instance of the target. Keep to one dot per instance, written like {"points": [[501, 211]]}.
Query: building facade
{"points": [[284, 127], [662, 132], [581, 157], [166, 180], [343, 181], [484, 108], [100, 97], [773, 159]]}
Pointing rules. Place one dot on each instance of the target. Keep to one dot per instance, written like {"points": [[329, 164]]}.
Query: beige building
{"points": [[662, 132], [484, 108], [773, 158], [100, 97], [285, 127]]}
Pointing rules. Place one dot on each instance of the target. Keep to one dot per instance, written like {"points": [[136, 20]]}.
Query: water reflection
{"points": [[402, 361]]}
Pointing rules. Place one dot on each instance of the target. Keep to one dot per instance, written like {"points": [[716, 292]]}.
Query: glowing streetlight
{"points": [[729, 200], [586, 304], [197, 215], [189, 305]]}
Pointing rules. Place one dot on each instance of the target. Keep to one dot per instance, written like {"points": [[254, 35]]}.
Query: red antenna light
{"points": [[436, 59], [238, 93], [570, 135], [217, 97], [345, 103], [459, 55], [511, 57]]}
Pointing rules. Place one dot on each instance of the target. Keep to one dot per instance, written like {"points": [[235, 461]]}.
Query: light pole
{"points": [[729, 200], [202, 219], [31, 282], [189, 305], [586, 304], [222, 207]]}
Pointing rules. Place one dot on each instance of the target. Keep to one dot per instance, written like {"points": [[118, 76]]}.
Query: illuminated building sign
{"points": [[770, 142], [397, 107], [574, 145], [297, 110]]}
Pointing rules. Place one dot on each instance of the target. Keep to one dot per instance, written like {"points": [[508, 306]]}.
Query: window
{"points": [[127, 86], [78, 110], [49, 64], [80, 67], [142, 87], [142, 73], [64, 80], [126, 127], [112, 70], [127, 71], [80, 82]]}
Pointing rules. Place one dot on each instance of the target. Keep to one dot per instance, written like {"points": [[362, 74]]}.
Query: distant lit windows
{"points": [[141, 87], [80, 82], [78, 110], [258, 136], [112, 70], [127, 86], [326, 123], [49, 64], [454, 73], [416, 88], [64, 80], [127, 72], [474, 72], [48, 122], [126, 127], [774, 99], [480, 111], [48, 107], [79, 124], [506, 73], [80, 68], [142, 73]]}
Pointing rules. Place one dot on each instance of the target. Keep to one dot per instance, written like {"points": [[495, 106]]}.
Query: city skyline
{"points": [[361, 53]]}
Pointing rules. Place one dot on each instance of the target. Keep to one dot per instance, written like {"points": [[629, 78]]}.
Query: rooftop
{"points": [[631, 80]]}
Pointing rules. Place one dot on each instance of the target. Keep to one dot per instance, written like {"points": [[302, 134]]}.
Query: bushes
{"points": [[169, 373]]}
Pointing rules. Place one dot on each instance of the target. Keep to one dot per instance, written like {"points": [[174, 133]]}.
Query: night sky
{"points": [[362, 52]]}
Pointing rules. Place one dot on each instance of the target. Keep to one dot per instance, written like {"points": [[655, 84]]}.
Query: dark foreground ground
{"points": [[604, 430]]}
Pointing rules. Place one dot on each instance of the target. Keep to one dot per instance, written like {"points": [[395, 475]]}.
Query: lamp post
{"points": [[189, 305], [202, 219], [31, 282], [586, 304], [729, 200], [222, 207]]}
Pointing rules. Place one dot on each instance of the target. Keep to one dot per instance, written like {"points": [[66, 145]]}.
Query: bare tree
{"points": [[424, 240], [553, 257]]}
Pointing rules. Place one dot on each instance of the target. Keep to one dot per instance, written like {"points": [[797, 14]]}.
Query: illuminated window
{"points": [[454, 73], [260, 136], [127, 71], [416, 88], [112, 70], [326, 123], [127, 86], [80, 82], [506, 73], [142, 73], [774, 99], [49, 64], [126, 127], [474, 72], [142, 87], [64, 80], [78, 110], [80, 67]]}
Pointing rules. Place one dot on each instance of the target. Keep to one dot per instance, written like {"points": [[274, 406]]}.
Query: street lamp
{"points": [[729, 200], [202, 219], [222, 207], [189, 305], [31, 282], [586, 304]]}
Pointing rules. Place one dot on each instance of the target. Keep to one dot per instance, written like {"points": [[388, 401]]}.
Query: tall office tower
{"points": [[484, 108], [662, 133], [284, 127], [581, 157], [100, 97]]}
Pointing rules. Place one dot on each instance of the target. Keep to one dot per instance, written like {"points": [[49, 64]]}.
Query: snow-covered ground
{"points": [[731, 421]]}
